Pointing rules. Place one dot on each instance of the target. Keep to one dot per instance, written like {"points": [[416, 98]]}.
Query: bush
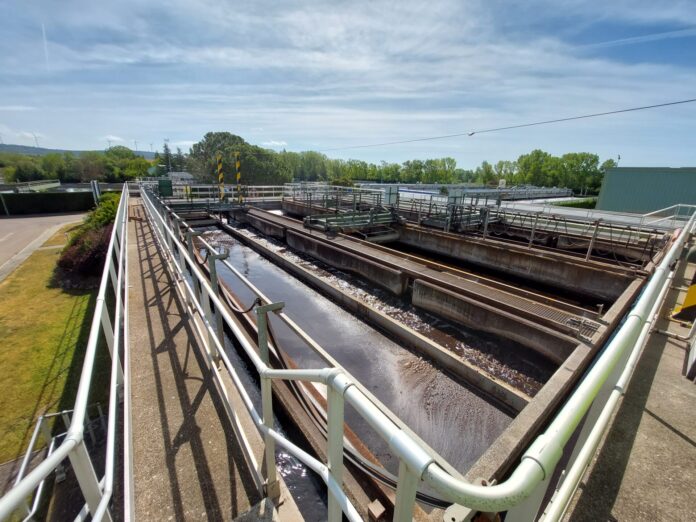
{"points": [[580, 203], [86, 253], [105, 212]]}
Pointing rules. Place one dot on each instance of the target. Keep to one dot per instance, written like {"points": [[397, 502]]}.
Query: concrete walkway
{"points": [[646, 468], [187, 465]]}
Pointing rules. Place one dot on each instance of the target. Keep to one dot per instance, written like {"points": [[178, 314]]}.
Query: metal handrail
{"points": [[415, 464], [73, 446]]}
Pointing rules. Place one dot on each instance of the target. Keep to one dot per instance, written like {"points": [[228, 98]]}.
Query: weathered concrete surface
{"points": [[556, 347], [187, 464], [393, 280], [504, 453], [266, 227], [554, 269], [548, 311], [646, 467]]}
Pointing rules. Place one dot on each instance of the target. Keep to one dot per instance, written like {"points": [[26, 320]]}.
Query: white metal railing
{"points": [[110, 323], [674, 216], [521, 494]]}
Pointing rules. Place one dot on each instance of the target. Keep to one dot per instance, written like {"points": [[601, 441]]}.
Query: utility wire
{"points": [[545, 122]]}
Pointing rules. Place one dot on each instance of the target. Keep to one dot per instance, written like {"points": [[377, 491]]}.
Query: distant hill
{"points": [[40, 151]]}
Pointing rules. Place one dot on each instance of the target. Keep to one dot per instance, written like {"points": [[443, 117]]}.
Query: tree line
{"points": [[116, 164], [579, 171]]}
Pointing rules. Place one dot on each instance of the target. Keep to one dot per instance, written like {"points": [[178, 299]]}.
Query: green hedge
{"points": [[47, 202], [580, 203]]}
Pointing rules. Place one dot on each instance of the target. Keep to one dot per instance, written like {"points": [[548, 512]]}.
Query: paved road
{"points": [[20, 236]]}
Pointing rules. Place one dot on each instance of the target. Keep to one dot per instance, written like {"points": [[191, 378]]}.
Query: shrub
{"points": [[86, 253], [580, 203], [105, 212]]}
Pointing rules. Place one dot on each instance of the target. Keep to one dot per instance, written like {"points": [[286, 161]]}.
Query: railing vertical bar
{"points": [[335, 448]]}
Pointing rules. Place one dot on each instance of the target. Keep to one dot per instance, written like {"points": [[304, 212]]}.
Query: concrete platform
{"points": [[646, 467], [187, 465]]}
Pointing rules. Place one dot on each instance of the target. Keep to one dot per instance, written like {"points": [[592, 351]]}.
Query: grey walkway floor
{"points": [[646, 468], [186, 467]]}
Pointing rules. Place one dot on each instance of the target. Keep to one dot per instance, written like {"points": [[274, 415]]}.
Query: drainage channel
{"points": [[453, 419]]}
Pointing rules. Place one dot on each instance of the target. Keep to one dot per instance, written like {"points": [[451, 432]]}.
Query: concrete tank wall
{"points": [[461, 309], [553, 270], [393, 280]]}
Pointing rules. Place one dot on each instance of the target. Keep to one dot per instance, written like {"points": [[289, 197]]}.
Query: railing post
{"points": [[212, 268], [531, 236], [87, 478], [109, 336], [485, 222], [272, 484], [336, 406], [592, 241], [405, 493], [190, 234]]}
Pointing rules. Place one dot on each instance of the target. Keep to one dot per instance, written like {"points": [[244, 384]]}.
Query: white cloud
{"points": [[29, 135], [324, 75], [111, 137], [184, 143], [275, 143], [16, 108]]}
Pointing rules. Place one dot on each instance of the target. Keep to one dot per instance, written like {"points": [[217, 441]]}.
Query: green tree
{"points": [[179, 161], [28, 169], [136, 168], [485, 174], [53, 166], [91, 165], [167, 157], [505, 169], [534, 168]]}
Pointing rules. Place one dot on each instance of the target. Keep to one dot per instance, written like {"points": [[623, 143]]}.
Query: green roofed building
{"points": [[644, 189]]}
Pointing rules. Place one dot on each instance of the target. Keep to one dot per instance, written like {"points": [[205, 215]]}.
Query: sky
{"points": [[309, 75]]}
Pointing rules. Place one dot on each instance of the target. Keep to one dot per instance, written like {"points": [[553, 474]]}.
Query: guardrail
{"points": [[109, 324], [674, 216], [27, 186], [522, 493]]}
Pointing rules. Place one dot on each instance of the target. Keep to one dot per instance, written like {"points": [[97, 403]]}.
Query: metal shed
{"points": [[644, 189]]}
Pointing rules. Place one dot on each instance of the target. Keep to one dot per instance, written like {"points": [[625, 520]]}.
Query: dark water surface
{"points": [[454, 420]]}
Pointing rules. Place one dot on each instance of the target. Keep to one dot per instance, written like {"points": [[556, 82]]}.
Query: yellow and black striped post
{"points": [[221, 177], [238, 167]]}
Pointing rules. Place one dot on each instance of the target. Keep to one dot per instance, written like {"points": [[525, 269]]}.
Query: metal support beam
{"points": [[592, 241]]}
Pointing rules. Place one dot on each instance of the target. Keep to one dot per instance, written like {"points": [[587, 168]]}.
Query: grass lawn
{"points": [[60, 238], [44, 332]]}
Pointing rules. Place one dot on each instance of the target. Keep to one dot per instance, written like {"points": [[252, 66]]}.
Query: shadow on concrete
{"points": [[599, 494], [164, 307]]}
